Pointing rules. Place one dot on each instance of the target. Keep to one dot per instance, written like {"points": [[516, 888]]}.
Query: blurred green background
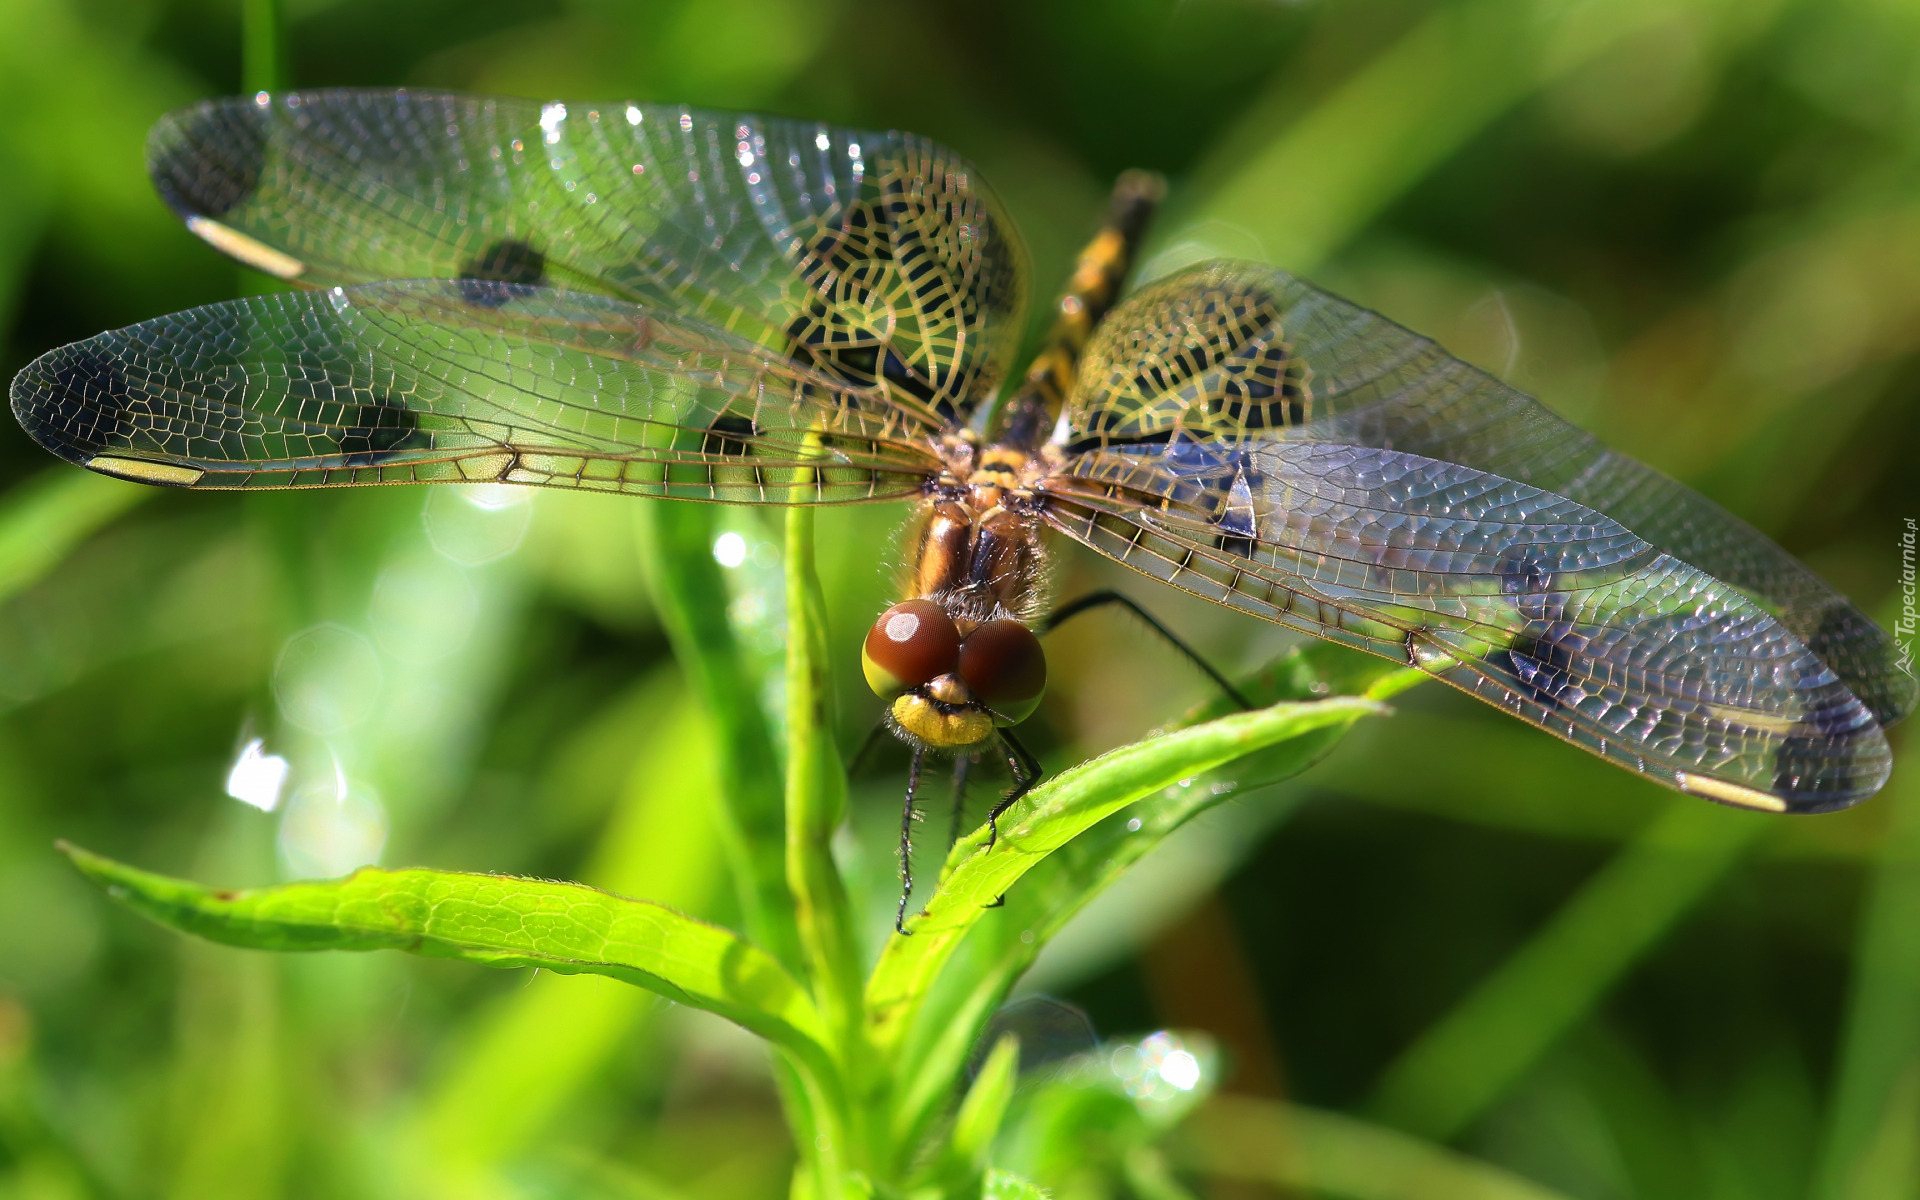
{"points": [[1691, 225]]}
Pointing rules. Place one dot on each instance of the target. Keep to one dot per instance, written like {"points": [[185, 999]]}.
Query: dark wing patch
{"points": [[207, 161], [729, 436], [508, 260], [1542, 607], [1211, 362], [379, 430], [1369, 382], [409, 382], [67, 392], [882, 254]]}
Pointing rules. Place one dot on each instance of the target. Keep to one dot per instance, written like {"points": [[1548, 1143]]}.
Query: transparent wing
{"points": [[1236, 352], [877, 255], [453, 380], [1535, 603]]}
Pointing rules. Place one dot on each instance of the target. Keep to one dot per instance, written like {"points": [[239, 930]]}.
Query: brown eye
{"points": [[908, 645], [1003, 666]]}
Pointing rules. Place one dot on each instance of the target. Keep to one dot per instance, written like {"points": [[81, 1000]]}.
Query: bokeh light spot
{"points": [[327, 679]]}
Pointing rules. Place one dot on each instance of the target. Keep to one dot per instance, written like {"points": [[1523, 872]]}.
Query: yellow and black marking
{"points": [[1091, 290], [1209, 362], [902, 286]]}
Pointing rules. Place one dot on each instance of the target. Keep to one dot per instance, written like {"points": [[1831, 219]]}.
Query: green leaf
{"points": [[1051, 817], [494, 920], [978, 1120], [997, 952], [1296, 1148], [1090, 1113], [1148, 1176], [1005, 1185]]}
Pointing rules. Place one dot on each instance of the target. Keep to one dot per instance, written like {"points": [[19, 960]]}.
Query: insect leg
{"points": [[874, 737], [1107, 596], [906, 841], [1026, 773], [962, 764]]}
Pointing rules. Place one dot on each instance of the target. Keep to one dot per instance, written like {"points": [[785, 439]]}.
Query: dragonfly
{"points": [[698, 305]]}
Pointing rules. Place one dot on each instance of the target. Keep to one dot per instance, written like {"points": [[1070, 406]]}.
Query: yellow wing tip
{"points": [[1729, 793], [256, 254], [142, 471]]}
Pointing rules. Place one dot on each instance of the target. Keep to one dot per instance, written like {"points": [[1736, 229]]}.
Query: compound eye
{"points": [[1003, 666], [909, 644]]}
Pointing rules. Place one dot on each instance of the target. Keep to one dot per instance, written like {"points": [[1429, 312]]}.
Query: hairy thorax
{"points": [[976, 548]]}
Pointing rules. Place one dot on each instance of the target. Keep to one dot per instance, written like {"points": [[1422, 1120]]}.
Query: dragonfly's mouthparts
{"points": [[943, 716]]}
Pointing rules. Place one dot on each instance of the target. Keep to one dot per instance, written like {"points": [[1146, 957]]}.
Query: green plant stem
{"points": [[676, 545], [816, 800], [263, 46]]}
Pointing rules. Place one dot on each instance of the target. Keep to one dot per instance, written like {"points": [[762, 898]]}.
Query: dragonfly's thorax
{"points": [[974, 575], [976, 548]]}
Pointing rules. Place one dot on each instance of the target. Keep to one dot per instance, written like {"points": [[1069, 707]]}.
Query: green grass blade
{"points": [[43, 519], [1334, 170], [1461, 1066], [493, 920], [263, 46], [1296, 1148], [1871, 1145], [1050, 818], [1150, 1177], [692, 599]]}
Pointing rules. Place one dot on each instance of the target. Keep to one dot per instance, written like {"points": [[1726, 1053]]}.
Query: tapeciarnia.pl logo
{"points": [[1905, 623]]}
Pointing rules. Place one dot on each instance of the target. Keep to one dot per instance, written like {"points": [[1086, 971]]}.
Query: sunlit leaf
{"points": [[493, 920], [978, 1119], [522, 1060], [998, 951], [677, 548], [1050, 817]]}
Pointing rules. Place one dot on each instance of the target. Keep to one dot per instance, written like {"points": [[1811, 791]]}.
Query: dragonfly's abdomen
{"points": [[1097, 275]]}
